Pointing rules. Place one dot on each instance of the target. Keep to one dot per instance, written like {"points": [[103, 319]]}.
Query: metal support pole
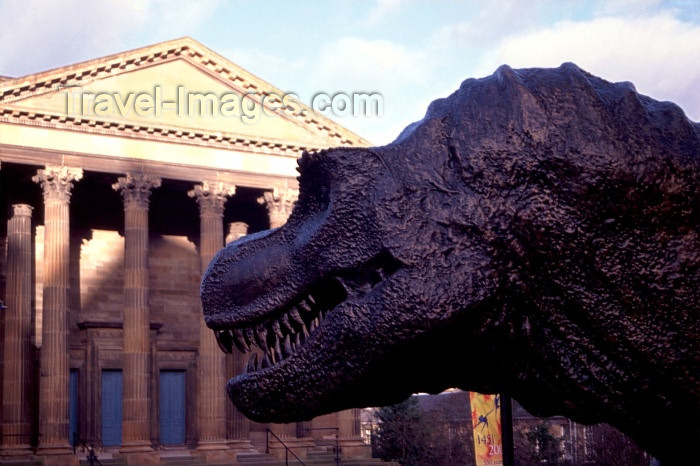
{"points": [[507, 430]]}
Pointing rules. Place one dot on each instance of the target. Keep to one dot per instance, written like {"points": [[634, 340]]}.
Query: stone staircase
{"points": [[27, 462], [104, 461], [266, 459], [326, 457], [318, 457]]}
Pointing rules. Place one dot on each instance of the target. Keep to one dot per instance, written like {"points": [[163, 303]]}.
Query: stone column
{"points": [[349, 436], [56, 182], [136, 424], [211, 377], [279, 203], [238, 429], [236, 230], [346, 423], [16, 428]]}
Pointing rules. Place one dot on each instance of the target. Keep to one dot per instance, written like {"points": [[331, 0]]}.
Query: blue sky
{"points": [[410, 52]]}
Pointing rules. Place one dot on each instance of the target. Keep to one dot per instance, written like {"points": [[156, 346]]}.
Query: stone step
{"points": [[183, 460], [259, 458], [27, 462], [103, 461], [320, 455], [364, 462]]}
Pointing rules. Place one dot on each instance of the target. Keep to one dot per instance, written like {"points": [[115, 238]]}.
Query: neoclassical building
{"points": [[120, 178]]}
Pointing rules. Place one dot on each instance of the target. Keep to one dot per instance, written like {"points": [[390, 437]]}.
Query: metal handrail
{"points": [[91, 456], [287, 450]]}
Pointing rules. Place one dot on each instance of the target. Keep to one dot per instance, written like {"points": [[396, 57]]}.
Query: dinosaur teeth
{"points": [[284, 321], [225, 340], [278, 339], [278, 351], [287, 331], [276, 328], [377, 276], [287, 348], [304, 306], [261, 337], [249, 336], [343, 285], [294, 314], [239, 341], [252, 365]]}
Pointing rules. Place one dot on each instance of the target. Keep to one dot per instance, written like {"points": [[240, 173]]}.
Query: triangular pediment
{"points": [[178, 87]]}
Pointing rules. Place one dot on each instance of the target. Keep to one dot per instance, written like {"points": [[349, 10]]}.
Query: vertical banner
{"points": [[486, 423]]}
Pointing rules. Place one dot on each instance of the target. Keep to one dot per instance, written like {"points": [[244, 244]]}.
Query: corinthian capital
{"points": [[136, 189], [211, 196], [22, 210], [57, 181], [280, 203]]}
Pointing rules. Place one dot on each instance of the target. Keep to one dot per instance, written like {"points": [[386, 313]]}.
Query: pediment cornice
{"points": [[13, 91], [61, 121]]}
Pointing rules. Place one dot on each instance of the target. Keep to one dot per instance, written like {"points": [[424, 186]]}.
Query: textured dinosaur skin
{"points": [[536, 234]]}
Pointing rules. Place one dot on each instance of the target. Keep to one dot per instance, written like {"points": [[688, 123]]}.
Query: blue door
{"points": [[111, 407], [172, 407], [73, 406]]}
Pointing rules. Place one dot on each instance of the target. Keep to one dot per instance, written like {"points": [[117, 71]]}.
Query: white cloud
{"points": [[629, 9], [170, 20], [278, 70], [489, 22], [370, 64], [399, 74], [39, 35], [42, 35], [382, 10], [659, 54]]}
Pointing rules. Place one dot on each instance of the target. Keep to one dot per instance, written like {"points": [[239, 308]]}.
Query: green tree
{"points": [[613, 448], [546, 445], [434, 431], [400, 435], [535, 444]]}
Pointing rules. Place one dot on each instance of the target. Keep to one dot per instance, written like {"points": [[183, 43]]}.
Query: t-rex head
{"points": [[535, 234]]}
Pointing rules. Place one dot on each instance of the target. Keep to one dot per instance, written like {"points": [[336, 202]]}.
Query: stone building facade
{"points": [[116, 195]]}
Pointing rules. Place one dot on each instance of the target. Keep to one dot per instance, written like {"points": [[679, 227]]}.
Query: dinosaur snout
{"points": [[239, 271]]}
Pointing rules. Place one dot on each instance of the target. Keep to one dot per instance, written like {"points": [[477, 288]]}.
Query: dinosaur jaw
{"points": [[286, 340], [280, 333]]}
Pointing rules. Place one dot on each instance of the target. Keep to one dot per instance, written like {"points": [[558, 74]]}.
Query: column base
{"points": [[137, 457], [354, 447], [60, 460], [16, 451], [59, 449], [227, 456], [241, 445], [136, 448], [212, 445], [298, 445]]}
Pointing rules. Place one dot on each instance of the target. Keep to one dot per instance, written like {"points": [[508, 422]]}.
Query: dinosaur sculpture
{"points": [[535, 234]]}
